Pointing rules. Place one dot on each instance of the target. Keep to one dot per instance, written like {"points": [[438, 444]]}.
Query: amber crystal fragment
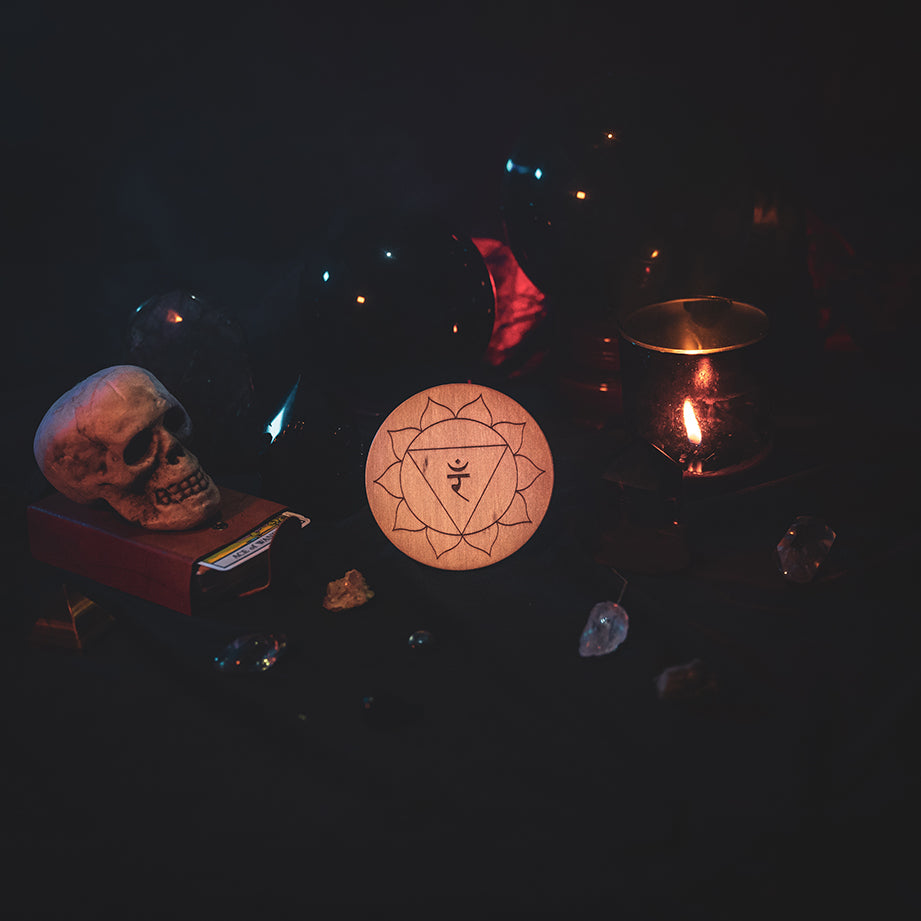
{"points": [[350, 591]]}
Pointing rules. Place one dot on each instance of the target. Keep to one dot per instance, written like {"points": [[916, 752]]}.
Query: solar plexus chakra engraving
{"points": [[459, 476]]}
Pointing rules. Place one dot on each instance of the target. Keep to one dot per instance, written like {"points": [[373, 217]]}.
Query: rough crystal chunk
{"points": [[803, 548], [252, 653], [351, 591], [604, 631]]}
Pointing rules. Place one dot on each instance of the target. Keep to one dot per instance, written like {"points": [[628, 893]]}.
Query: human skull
{"points": [[118, 436]]}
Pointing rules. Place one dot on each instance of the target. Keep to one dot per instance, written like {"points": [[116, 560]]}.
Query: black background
{"points": [[150, 147], [145, 149]]}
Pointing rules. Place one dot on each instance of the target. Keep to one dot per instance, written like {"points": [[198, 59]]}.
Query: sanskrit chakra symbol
{"points": [[459, 476]]}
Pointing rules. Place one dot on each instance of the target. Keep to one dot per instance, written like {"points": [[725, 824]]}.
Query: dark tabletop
{"points": [[499, 772]]}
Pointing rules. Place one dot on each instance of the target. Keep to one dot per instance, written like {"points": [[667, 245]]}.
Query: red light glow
{"points": [[705, 376]]}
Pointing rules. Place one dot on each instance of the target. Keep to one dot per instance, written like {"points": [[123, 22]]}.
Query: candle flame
{"points": [[173, 317], [691, 424]]}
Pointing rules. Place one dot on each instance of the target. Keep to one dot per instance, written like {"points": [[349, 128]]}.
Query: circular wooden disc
{"points": [[459, 476]]}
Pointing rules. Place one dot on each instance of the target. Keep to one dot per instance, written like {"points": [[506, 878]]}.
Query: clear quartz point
{"points": [[255, 652], [803, 548], [605, 629], [421, 639]]}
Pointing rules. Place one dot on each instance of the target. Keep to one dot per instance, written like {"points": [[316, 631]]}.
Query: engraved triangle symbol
{"points": [[458, 477]]}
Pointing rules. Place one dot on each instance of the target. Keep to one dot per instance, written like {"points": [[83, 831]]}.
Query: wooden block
{"points": [[160, 566], [70, 621], [459, 476]]}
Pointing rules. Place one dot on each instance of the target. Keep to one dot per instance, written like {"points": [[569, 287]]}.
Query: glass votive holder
{"points": [[694, 383]]}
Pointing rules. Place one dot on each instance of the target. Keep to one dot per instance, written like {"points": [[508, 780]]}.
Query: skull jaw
{"points": [[181, 515]]}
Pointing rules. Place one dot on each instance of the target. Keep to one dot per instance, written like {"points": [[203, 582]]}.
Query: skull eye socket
{"points": [[137, 448], [174, 419]]}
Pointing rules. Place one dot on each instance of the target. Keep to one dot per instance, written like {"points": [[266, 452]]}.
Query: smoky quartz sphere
{"points": [[200, 354]]}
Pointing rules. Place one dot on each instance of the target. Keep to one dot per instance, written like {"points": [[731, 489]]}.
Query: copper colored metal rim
{"points": [[695, 326]]}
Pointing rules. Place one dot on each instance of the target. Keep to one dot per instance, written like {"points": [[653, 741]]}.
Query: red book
{"points": [[181, 570]]}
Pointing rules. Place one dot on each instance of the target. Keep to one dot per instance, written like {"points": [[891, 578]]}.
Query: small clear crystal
{"points": [[254, 652], [605, 629], [421, 639], [388, 711], [803, 548], [680, 682]]}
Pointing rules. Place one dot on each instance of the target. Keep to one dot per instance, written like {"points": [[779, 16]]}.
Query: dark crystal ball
{"points": [[315, 462], [599, 197], [393, 304], [199, 353]]}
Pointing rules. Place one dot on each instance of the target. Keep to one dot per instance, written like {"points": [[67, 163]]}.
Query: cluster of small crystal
{"points": [[803, 548], [605, 629], [350, 591], [252, 653]]}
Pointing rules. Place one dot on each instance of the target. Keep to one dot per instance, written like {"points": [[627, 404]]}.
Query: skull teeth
{"points": [[190, 486]]}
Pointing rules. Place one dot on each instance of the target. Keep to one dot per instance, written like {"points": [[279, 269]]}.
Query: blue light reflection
{"points": [[275, 427], [512, 166]]}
